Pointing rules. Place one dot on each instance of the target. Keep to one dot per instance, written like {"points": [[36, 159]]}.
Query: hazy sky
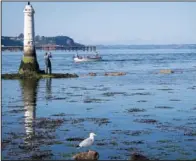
{"points": [[107, 22]]}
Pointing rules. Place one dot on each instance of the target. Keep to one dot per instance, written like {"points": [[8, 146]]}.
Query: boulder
{"points": [[90, 155]]}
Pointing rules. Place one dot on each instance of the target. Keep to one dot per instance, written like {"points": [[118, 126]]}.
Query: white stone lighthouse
{"points": [[29, 30], [29, 62]]}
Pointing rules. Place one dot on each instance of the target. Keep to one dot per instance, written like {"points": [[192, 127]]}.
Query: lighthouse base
{"points": [[29, 64]]}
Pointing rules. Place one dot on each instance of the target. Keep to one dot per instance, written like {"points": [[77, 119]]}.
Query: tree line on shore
{"points": [[39, 41]]}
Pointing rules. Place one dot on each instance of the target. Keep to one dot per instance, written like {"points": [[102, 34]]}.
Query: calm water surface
{"points": [[143, 111]]}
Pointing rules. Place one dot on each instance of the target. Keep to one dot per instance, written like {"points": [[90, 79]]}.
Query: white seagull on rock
{"points": [[87, 142]]}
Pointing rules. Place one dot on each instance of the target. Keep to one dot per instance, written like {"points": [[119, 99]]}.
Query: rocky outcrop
{"points": [[137, 157], [166, 71], [92, 74], [105, 74], [37, 76], [114, 73], [90, 155]]}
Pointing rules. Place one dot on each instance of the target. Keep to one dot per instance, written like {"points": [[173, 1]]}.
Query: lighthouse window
{"points": [[29, 42]]}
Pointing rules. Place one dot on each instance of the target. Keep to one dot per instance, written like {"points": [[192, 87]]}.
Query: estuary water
{"points": [[143, 111]]}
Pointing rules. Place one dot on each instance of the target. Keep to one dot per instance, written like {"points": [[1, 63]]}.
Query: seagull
{"points": [[87, 142]]}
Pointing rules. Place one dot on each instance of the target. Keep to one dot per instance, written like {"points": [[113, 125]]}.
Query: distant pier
{"points": [[51, 47]]}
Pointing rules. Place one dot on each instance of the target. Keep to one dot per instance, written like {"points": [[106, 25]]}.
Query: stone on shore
{"points": [[90, 155]]}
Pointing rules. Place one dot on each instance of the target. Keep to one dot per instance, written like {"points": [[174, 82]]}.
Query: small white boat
{"points": [[87, 58]]}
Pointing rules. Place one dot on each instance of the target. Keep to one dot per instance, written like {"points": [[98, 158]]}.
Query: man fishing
{"points": [[48, 66]]}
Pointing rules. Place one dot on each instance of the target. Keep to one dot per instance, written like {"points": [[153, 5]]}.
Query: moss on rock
{"points": [[27, 59], [29, 64]]}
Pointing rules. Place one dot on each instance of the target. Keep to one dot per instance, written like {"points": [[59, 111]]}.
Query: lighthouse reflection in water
{"points": [[29, 91]]}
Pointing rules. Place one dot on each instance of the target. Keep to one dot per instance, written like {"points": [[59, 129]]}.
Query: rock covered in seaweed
{"points": [[90, 155]]}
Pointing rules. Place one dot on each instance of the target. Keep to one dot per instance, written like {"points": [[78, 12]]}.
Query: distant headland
{"points": [[40, 41], [44, 43]]}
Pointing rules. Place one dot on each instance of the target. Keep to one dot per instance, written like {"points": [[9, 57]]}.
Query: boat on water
{"points": [[89, 58]]}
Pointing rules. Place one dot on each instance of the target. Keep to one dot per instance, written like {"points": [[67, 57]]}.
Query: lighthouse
{"points": [[29, 30], [29, 61]]}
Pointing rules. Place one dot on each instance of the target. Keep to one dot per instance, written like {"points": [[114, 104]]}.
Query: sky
{"points": [[107, 23]]}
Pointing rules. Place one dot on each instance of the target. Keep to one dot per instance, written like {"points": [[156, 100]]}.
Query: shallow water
{"points": [[143, 111]]}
